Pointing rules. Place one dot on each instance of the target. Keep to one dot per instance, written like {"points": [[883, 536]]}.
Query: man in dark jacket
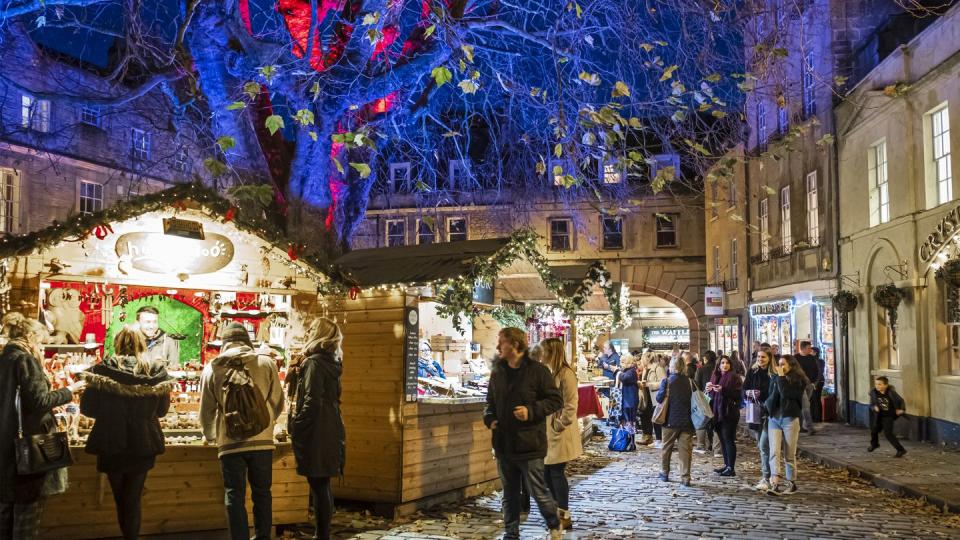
{"points": [[678, 429], [705, 438], [520, 397], [811, 368]]}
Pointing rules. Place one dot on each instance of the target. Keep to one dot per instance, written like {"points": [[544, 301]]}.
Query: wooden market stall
{"points": [[184, 253]]}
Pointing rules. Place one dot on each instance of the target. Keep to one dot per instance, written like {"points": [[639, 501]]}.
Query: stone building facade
{"points": [[900, 222]]}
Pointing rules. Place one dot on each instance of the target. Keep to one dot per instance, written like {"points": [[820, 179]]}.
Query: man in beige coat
{"points": [[563, 431]]}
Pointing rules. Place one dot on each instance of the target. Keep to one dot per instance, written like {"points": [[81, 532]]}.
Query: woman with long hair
{"points": [[126, 396], [785, 405], [316, 425], [756, 388], [652, 375], [724, 387], [563, 437], [21, 375]]}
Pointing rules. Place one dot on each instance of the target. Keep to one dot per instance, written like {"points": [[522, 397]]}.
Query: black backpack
{"points": [[245, 410]]}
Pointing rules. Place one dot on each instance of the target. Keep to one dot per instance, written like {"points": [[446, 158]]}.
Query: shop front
{"points": [[725, 335], [666, 338], [179, 272], [773, 323]]}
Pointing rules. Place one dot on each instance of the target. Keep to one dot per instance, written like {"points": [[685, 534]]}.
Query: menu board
{"points": [[411, 351]]}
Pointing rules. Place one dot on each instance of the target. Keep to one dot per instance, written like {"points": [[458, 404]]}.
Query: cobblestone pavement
{"points": [[618, 496]]}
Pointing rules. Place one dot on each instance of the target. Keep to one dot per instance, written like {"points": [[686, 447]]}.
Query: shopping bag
{"points": [[660, 411], [700, 412], [754, 412], [621, 440]]}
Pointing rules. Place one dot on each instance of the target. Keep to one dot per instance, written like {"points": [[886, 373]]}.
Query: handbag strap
{"points": [[16, 403]]}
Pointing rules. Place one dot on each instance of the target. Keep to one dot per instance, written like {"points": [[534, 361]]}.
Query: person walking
{"points": [[653, 373], [126, 395], [886, 406], [316, 425], [705, 439], [520, 396], [22, 497], [242, 457], [628, 381], [563, 436], [810, 364], [738, 366], [785, 405], [677, 390], [724, 387], [756, 388]]}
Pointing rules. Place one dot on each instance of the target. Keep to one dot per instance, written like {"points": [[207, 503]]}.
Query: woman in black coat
{"points": [[22, 497], [756, 389], [316, 426], [126, 396], [724, 389]]}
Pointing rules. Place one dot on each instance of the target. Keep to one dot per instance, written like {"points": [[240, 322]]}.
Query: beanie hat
{"points": [[236, 333]]}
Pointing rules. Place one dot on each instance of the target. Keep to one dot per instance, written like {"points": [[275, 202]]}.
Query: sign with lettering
{"points": [[411, 352], [160, 253], [948, 227], [654, 334], [783, 307], [713, 301]]}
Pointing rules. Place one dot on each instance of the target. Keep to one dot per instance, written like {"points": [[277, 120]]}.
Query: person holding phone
{"points": [[724, 389]]}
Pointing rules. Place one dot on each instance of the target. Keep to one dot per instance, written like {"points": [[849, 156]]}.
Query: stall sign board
{"points": [[411, 351], [666, 335], [483, 294], [713, 301], [160, 253]]}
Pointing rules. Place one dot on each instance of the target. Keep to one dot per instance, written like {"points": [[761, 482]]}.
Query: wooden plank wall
{"points": [[184, 492], [372, 396]]}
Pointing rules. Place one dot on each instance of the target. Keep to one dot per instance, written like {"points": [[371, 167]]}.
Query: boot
{"points": [[566, 520]]}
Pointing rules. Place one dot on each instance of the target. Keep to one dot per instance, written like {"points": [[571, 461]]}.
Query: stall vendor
{"points": [[160, 346]]}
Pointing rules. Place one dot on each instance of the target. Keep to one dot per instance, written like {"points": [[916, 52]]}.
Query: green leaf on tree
{"points": [[313, 135], [646, 47], [362, 169], [558, 150], [441, 75], [429, 31], [714, 78], [315, 90], [273, 123], [268, 73], [304, 117], [251, 89], [338, 165], [371, 18], [215, 167], [590, 78], [226, 142], [236, 106], [668, 73]]}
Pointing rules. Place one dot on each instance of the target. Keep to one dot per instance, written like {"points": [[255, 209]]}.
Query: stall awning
{"points": [[415, 264]]}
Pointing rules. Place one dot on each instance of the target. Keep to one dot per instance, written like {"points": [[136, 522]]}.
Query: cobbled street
{"points": [[618, 495]]}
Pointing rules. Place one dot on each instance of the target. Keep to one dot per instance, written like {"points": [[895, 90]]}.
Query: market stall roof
{"points": [[524, 284], [415, 264]]}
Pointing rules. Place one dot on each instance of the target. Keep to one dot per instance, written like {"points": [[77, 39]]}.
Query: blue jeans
{"points": [[258, 465], [763, 444], [512, 474], [783, 433]]}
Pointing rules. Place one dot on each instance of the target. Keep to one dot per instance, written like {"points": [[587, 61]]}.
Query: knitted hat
{"points": [[236, 333]]}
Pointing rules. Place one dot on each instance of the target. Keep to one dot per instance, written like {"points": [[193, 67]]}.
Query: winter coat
{"points": [[811, 368], [895, 403], [263, 371], [530, 385], [678, 404], [630, 389], [786, 398], [614, 361], [18, 367], [703, 375], [127, 407], [316, 425], [757, 379], [563, 433], [725, 402], [163, 349], [653, 375]]}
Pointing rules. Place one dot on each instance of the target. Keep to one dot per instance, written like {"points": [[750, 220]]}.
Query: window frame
{"points": [[605, 174], [809, 85], [732, 192], [763, 214], [387, 235], [603, 234], [466, 228], [392, 181], [454, 182], [942, 162], [91, 115], [786, 220], [878, 178], [734, 253], [181, 160], [813, 208], [783, 119], [97, 202], [569, 234], [714, 199], [952, 329], [761, 123], [10, 206], [433, 233], [673, 221], [140, 154], [716, 264], [35, 113]]}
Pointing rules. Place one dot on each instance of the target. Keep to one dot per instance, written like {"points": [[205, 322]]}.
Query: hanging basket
{"points": [[845, 301], [950, 272], [889, 296]]}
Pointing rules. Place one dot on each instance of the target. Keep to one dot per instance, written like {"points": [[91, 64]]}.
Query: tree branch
{"points": [[123, 99], [38, 5], [492, 24]]}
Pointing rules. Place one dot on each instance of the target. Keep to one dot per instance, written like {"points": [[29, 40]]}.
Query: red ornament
{"points": [[102, 231], [354, 291], [293, 251], [231, 212]]}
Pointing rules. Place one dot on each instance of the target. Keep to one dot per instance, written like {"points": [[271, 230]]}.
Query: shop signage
{"points": [[653, 334], [713, 301], [783, 307], [411, 351], [483, 294], [941, 235], [726, 321], [163, 254]]}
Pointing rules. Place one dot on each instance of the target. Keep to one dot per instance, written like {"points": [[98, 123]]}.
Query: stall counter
{"points": [[183, 493]]}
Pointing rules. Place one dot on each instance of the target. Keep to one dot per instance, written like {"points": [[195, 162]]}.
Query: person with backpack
{"points": [[316, 425], [126, 395], [240, 399]]}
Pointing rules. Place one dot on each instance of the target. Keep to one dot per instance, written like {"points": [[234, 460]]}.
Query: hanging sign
{"points": [[713, 301], [165, 254], [411, 351]]}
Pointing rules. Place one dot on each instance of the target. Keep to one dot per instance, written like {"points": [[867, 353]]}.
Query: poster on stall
{"points": [[411, 351]]}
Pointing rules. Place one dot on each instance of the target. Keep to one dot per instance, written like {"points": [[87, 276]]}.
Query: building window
{"points": [[761, 123], [9, 201], [716, 264], [813, 210], [140, 149], [91, 197], [458, 173], [809, 86], [90, 115], [35, 114], [666, 225], [786, 234], [714, 198], [783, 118], [765, 229], [426, 232], [734, 253], [879, 188], [456, 229], [940, 132], [662, 161], [561, 235], [732, 193], [952, 305], [399, 177], [612, 173], [612, 232], [181, 160], [396, 232]]}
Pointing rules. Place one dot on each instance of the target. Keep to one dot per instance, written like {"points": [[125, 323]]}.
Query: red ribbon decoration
{"points": [[354, 291], [231, 212], [102, 231], [293, 252]]}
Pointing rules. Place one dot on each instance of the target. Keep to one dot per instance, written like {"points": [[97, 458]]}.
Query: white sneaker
{"points": [[717, 455], [658, 444], [700, 451], [762, 485]]}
